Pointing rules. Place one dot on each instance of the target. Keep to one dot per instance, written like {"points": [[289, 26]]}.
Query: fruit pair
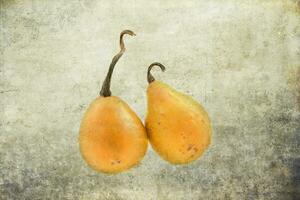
{"points": [[113, 138]]}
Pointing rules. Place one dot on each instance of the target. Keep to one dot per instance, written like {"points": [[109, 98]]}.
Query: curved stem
{"points": [[105, 90], [150, 78]]}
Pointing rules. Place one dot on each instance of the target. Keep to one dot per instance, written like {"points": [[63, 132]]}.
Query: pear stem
{"points": [[150, 77], [105, 90]]}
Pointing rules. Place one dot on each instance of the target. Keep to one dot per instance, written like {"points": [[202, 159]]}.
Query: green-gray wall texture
{"points": [[239, 59]]}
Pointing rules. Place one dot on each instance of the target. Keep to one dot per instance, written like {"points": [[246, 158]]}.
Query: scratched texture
{"points": [[241, 60]]}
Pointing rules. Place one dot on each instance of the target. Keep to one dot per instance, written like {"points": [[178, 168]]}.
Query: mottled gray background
{"points": [[241, 60]]}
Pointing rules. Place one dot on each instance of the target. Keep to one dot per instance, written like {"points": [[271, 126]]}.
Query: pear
{"points": [[112, 138], [178, 127]]}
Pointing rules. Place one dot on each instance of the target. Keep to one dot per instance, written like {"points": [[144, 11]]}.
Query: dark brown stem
{"points": [[105, 90], [150, 78]]}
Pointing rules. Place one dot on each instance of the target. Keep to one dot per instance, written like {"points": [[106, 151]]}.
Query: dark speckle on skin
{"points": [[190, 147], [192, 155], [115, 162]]}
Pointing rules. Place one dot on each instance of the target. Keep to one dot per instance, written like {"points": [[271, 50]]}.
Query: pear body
{"points": [[178, 127], [112, 138]]}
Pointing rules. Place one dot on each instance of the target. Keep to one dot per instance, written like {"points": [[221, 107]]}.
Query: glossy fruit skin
{"points": [[178, 127], [112, 138]]}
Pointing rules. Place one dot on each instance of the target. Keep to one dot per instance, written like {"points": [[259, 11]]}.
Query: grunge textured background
{"points": [[241, 60]]}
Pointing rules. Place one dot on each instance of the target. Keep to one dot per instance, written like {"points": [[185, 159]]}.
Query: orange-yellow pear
{"points": [[178, 127], [112, 138]]}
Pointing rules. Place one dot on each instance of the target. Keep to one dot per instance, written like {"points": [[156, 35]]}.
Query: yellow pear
{"points": [[178, 127], [112, 138]]}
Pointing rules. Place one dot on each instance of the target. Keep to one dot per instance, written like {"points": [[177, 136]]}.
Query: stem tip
{"points": [[150, 77]]}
